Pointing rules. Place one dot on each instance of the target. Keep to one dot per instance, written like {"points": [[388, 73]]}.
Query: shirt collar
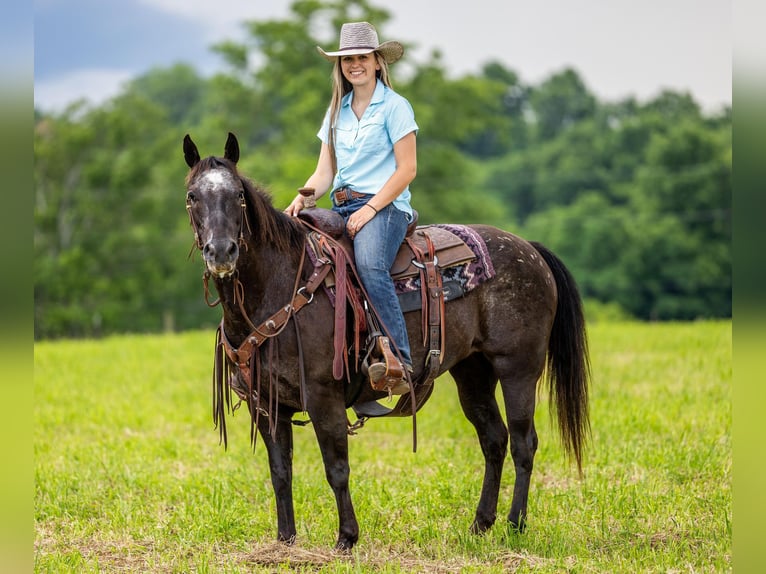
{"points": [[377, 95]]}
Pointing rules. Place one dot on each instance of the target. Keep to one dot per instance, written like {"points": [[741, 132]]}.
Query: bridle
{"points": [[243, 222], [194, 226]]}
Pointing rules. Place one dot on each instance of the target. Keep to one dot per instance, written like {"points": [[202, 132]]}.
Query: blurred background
{"points": [[602, 129]]}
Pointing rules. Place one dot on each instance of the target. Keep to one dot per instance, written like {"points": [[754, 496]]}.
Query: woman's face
{"points": [[360, 69]]}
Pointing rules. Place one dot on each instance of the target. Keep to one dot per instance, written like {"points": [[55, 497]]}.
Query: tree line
{"points": [[635, 197]]}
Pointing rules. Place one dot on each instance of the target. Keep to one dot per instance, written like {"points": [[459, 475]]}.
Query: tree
{"points": [[560, 102], [589, 236], [179, 90]]}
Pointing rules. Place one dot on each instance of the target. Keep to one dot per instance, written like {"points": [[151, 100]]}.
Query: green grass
{"points": [[129, 476]]}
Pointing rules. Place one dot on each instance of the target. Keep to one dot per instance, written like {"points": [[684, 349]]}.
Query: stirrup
{"points": [[385, 370], [386, 373], [381, 381]]}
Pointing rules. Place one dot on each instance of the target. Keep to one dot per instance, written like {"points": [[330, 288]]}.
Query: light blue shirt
{"points": [[364, 149]]}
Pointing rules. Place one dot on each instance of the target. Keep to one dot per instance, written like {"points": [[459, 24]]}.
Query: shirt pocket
{"points": [[345, 134], [373, 136]]}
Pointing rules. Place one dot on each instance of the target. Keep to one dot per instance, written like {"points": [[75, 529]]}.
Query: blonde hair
{"points": [[340, 87]]}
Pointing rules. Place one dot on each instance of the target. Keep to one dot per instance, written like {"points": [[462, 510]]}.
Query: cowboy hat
{"points": [[361, 38]]}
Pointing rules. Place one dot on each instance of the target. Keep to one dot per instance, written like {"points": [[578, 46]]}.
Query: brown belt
{"points": [[344, 194]]}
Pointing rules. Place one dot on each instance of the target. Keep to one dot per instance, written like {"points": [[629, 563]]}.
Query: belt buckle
{"points": [[342, 195]]}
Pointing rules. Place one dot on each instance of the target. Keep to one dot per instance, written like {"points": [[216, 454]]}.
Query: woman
{"points": [[368, 159]]}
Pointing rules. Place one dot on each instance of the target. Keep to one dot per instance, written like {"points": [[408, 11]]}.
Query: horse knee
{"points": [[523, 456], [337, 475]]}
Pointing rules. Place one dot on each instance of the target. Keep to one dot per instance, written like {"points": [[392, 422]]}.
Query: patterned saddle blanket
{"points": [[460, 274]]}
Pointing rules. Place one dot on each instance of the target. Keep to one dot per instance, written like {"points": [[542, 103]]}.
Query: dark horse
{"points": [[523, 322]]}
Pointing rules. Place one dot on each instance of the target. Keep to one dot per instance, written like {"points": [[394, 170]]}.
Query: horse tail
{"points": [[568, 364]]}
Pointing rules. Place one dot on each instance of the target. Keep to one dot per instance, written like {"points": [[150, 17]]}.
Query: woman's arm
{"points": [[405, 152]]}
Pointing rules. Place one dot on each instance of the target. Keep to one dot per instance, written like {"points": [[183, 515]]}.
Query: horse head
{"points": [[215, 200]]}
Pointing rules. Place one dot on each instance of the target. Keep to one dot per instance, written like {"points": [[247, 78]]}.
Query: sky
{"points": [[621, 48]]}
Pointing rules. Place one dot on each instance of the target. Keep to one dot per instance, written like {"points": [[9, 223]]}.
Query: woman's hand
{"points": [[295, 207], [359, 219]]}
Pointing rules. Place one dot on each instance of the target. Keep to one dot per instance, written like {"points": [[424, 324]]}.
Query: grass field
{"points": [[129, 476]]}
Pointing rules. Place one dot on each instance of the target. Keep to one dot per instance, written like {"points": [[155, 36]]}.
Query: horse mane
{"points": [[267, 224], [271, 225]]}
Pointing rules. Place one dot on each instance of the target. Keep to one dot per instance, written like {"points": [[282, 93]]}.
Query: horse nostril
{"points": [[221, 251]]}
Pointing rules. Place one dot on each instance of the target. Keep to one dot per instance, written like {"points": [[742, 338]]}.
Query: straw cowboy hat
{"points": [[361, 38]]}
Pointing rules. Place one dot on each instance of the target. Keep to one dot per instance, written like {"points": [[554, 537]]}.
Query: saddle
{"points": [[424, 252], [449, 249]]}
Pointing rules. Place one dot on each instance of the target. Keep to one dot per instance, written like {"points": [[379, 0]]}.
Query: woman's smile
{"points": [[359, 67]]}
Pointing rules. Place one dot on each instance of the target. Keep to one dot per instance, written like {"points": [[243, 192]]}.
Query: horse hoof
{"points": [[343, 546], [287, 540], [517, 526], [480, 528]]}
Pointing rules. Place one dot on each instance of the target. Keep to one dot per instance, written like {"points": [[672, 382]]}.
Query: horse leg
{"points": [[519, 398], [280, 451], [476, 382], [328, 416]]}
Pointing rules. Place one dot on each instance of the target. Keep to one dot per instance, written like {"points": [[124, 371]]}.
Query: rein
{"points": [[275, 324], [247, 358]]}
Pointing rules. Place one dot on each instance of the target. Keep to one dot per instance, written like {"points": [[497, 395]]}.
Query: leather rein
{"points": [[277, 322]]}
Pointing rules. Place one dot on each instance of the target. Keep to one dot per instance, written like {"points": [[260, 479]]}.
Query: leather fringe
{"points": [[221, 388]]}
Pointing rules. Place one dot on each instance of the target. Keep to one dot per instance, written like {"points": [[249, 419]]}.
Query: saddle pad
{"points": [[460, 278], [450, 250], [412, 300]]}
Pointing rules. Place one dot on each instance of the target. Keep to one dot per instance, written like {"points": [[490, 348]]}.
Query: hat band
{"points": [[357, 48]]}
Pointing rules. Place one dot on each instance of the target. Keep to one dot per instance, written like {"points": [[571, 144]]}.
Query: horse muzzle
{"points": [[221, 256]]}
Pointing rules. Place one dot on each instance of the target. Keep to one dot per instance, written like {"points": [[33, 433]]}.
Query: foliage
{"points": [[129, 475], [635, 197]]}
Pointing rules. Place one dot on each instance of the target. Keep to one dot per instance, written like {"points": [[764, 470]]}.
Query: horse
{"points": [[525, 325]]}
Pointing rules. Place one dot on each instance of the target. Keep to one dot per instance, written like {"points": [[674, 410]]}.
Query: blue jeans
{"points": [[375, 247]]}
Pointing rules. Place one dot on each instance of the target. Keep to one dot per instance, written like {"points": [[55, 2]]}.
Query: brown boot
{"points": [[392, 380]]}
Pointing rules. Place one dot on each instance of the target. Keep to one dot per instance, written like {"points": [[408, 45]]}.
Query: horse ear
{"points": [[231, 151], [190, 152]]}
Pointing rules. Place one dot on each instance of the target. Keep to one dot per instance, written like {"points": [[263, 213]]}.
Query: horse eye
{"points": [[190, 197]]}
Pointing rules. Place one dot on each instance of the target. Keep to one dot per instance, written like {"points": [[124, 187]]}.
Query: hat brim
{"points": [[391, 52]]}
